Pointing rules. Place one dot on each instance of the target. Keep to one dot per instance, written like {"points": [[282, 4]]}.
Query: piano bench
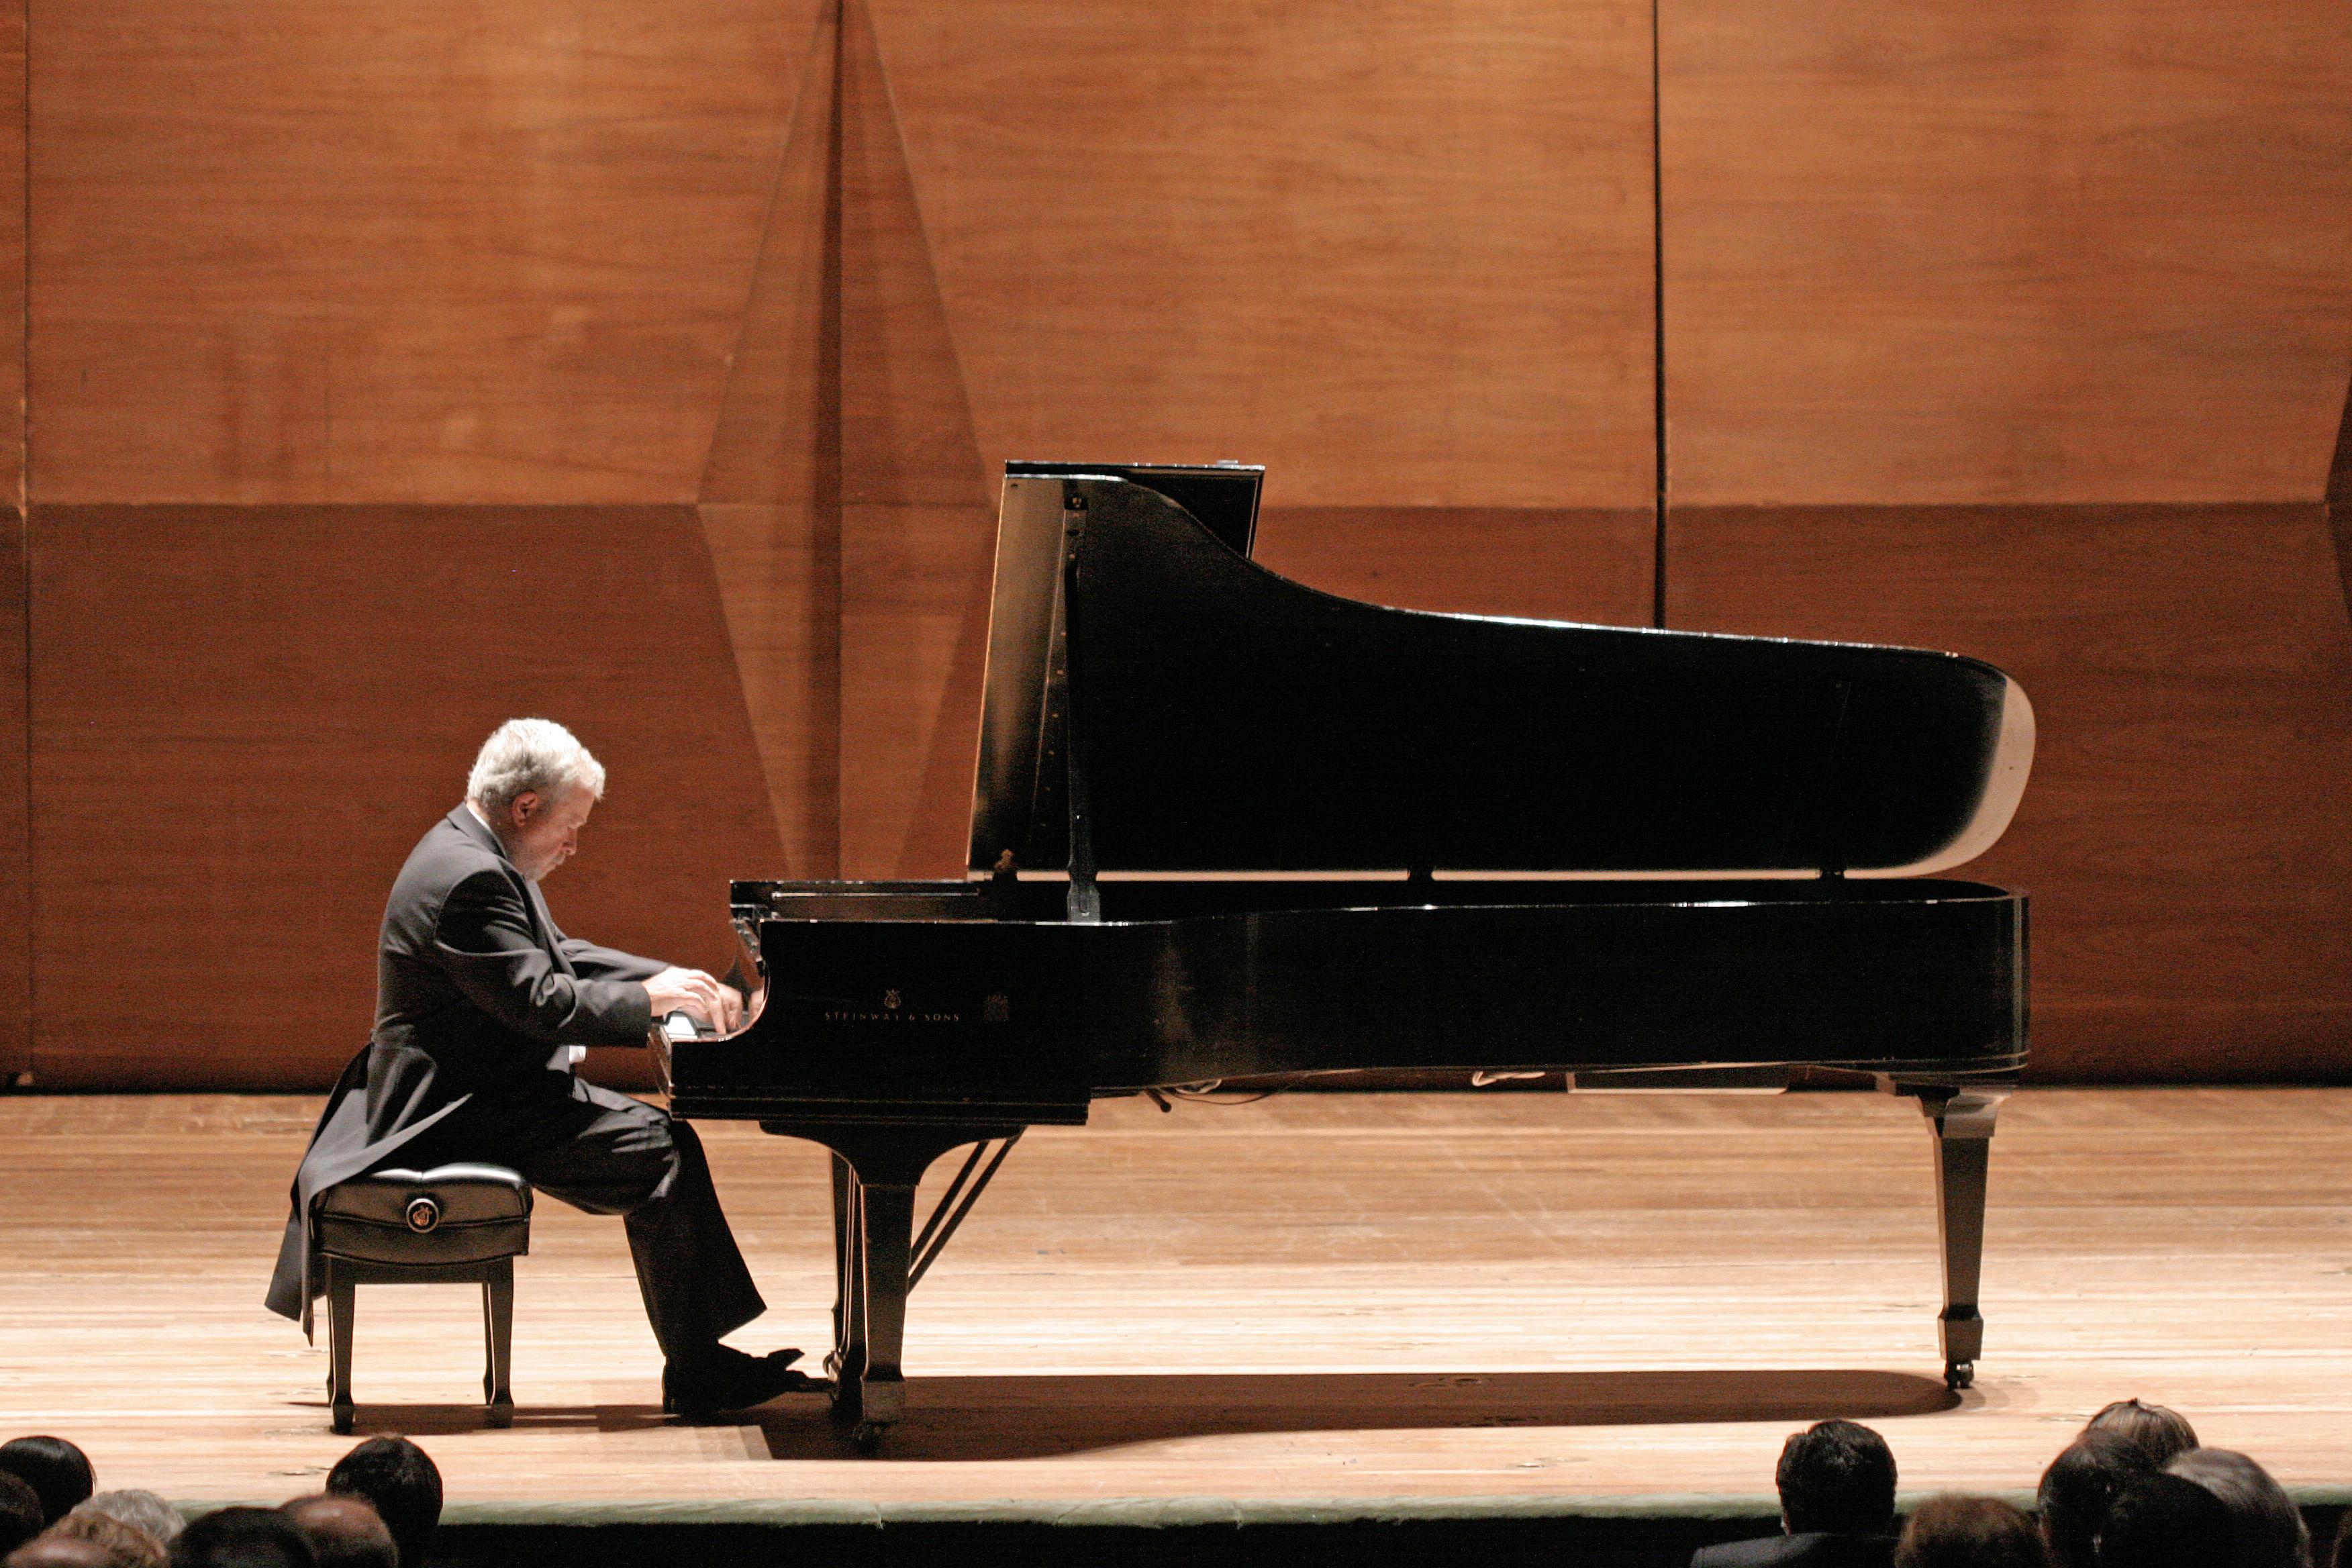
{"points": [[461, 1224]]}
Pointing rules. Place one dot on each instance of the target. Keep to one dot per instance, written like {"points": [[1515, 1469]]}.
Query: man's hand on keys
{"points": [[691, 992]]}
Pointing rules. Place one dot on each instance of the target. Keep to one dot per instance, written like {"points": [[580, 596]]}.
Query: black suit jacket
{"points": [[1815, 1549], [475, 990]]}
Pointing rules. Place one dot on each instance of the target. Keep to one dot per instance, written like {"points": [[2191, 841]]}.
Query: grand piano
{"points": [[1231, 831]]}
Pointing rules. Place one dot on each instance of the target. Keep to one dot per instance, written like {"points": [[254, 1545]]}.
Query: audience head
{"points": [[1839, 1477], [2163, 1521], [2077, 1487], [20, 1512], [2263, 1520], [55, 1470], [402, 1483], [344, 1532], [1969, 1533], [125, 1545], [149, 1512], [243, 1538], [2160, 1432], [50, 1550]]}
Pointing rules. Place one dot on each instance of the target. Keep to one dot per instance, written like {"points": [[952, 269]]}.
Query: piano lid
{"points": [[1213, 719]]}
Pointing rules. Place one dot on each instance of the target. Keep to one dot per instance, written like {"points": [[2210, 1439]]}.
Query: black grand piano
{"points": [[1229, 830]]}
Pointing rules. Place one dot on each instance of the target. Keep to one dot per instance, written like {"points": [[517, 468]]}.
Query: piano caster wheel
{"points": [[867, 1438], [341, 1420], [1959, 1375]]}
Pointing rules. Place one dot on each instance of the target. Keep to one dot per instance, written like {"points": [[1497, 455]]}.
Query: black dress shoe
{"points": [[726, 1379]]}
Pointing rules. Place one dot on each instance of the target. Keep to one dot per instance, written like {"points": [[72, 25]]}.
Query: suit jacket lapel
{"points": [[549, 937]]}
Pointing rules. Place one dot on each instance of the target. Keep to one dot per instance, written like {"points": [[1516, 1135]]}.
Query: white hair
{"points": [[143, 1509], [535, 755]]}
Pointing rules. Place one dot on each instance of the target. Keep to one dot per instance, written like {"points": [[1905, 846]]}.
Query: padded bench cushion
{"points": [[450, 1213]]}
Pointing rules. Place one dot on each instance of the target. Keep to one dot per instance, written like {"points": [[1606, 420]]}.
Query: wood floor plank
{"points": [[1320, 1297]]}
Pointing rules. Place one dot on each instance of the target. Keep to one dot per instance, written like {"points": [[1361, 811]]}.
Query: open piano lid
{"points": [[1213, 719]]}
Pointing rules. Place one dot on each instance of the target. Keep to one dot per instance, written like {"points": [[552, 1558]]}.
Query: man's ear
{"points": [[524, 808]]}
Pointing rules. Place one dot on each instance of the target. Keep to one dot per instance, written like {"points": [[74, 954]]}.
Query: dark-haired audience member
{"points": [[2263, 1520], [49, 1551], [2163, 1521], [146, 1509], [2160, 1432], [2342, 1556], [20, 1512], [344, 1531], [402, 1484], [1969, 1533], [2078, 1486], [1837, 1505], [57, 1470], [243, 1538], [125, 1545]]}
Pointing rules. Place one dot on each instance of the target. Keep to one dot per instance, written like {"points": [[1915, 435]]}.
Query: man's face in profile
{"points": [[541, 832]]}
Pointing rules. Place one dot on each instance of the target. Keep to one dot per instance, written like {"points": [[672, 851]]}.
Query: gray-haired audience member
{"points": [[343, 1530], [401, 1483], [20, 1512], [136, 1506], [1836, 1481], [58, 1473], [243, 1538], [2263, 1520], [1969, 1533], [125, 1545], [2163, 1521], [2077, 1489], [2161, 1431]]}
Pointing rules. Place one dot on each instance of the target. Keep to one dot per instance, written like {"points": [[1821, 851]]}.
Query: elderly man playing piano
{"points": [[482, 1008]]}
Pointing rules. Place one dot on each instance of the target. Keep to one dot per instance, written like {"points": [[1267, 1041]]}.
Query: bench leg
{"points": [[497, 1332], [342, 1309]]}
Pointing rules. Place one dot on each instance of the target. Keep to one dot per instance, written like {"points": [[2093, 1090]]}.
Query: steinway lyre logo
{"points": [[890, 1000]]}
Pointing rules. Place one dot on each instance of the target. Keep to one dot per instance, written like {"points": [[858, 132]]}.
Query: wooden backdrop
{"points": [[647, 365]]}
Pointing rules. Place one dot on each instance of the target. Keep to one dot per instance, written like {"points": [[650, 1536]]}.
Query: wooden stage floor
{"points": [[1371, 1305]]}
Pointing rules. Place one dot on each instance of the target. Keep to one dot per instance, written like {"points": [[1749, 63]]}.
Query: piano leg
{"points": [[887, 1210], [875, 1173], [1962, 1123], [848, 1271]]}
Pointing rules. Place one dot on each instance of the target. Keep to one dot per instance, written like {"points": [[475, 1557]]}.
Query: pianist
{"points": [[482, 1008]]}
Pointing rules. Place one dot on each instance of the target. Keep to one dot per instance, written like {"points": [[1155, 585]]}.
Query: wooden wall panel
{"points": [[770, 489], [2187, 835], [15, 866], [244, 718], [318, 250], [2004, 252], [1399, 254], [919, 508], [1073, 230], [1573, 566]]}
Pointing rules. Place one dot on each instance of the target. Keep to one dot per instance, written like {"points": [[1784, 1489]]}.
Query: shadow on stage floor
{"points": [[1032, 1417]]}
